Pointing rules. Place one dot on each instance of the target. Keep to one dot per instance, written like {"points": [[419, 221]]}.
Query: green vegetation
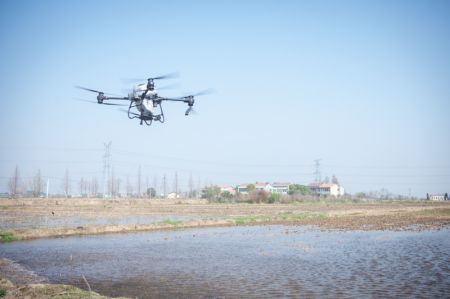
{"points": [[274, 197], [250, 187], [360, 195], [296, 189], [171, 222], [4, 207], [211, 192], [2, 293], [6, 237], [151, 192], [243, 220]]}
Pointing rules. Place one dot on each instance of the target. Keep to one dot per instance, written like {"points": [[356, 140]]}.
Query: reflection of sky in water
{"points": [[74, 221], [257, 261]]}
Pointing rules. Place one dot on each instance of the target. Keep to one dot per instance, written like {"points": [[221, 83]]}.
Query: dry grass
{"points": [[45, 291]]}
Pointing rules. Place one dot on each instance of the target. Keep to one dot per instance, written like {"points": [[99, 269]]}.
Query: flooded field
{"points": [[246, 261], [84, 220]]}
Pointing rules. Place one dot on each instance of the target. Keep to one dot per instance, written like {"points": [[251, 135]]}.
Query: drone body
{"points": [[144, 102]]}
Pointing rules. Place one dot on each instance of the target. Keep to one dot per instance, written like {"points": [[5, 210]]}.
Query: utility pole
{"points": [[106, 166]]}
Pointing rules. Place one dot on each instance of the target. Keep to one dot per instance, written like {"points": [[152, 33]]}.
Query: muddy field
{"points": [[39, 218]]}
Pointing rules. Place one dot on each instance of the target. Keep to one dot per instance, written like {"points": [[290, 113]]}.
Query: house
{"points": [[258, 187], [322, 189], [437, 197], [263, 187], [227, 188], [173, 195], [280, 188], [242, 188]]}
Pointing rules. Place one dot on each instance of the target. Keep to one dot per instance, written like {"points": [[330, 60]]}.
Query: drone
{"points": [[144, 101]]}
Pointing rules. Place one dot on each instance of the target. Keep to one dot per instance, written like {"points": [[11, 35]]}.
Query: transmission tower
{"points": [[317, 175], [106, 167]]}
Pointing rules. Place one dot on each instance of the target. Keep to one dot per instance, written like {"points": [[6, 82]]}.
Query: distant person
{"points": [[428, 196], [445, 196]]}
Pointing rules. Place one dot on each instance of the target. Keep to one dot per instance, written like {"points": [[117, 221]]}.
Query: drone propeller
{"points": [[88, 89], [93, 102], [166, 76], [170, 86], [96, 91], [200, 93]]}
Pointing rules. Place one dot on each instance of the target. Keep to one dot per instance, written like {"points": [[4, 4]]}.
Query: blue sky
{"points": [[362, 85]]}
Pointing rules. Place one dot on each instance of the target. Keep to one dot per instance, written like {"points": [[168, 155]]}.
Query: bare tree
{"points": [[139, 181], [93, 187], [175, 184], [199, 188], [191, 186], [129, 187], [111, 184], [38, 184], [164, 185], [66, 183], [14, 183], [82, 186], [155, 185], [334, 180], [117, 188]]}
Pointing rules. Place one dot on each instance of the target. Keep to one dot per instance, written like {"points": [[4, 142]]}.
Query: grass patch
{"points": [[4, 207], [299, 216], [243, 220], [171, 222], [434, 212], [2, 293], [6, 237]]}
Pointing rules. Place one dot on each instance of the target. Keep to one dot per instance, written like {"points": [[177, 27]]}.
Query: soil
{"points": [[331, 214]]}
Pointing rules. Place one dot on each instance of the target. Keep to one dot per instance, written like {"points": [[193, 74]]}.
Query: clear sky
{"points": [[362, 85]]}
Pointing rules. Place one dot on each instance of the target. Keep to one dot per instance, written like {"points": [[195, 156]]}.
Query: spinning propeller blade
{"points": [[166, 76], [88, 89], [96, 91], [94, 102], [200, 93]]}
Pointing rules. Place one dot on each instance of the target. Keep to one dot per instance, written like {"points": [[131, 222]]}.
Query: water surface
{"points": [[251, 262]]}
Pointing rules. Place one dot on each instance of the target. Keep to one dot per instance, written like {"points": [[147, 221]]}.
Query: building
{"points": [[243, 188], [227, 188], [437, 197], [280, 188], [263, 187], [322, 189], [173, 195]]}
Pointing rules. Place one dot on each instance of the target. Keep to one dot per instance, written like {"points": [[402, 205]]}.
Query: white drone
{"points": [[144, 100]]}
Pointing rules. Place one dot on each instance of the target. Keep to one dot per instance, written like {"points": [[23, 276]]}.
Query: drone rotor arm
{"points": [[117, 98]]}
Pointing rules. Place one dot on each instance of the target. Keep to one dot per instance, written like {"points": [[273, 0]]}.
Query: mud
{"points": [[42, 218]]}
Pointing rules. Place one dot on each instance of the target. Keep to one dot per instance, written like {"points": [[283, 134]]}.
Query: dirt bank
{"points": [[41, 218], [8, 290]]}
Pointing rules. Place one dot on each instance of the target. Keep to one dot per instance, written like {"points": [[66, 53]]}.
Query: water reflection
{"points": [[265, 261]]}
